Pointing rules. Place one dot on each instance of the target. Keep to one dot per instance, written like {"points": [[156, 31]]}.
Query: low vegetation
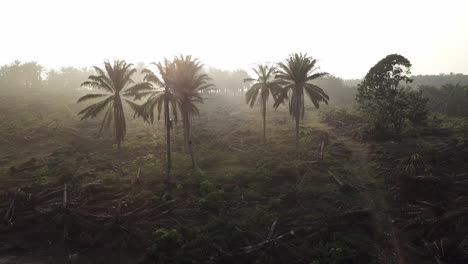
{"points": [[378, 180]]}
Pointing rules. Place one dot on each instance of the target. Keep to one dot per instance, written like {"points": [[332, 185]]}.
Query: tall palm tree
{"points": [[265, 84], [189, 82], [160, 96], [297, 72], [113, 80]]}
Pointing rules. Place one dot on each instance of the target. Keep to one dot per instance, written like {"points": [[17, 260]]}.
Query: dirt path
{"points": [[363, 177]]}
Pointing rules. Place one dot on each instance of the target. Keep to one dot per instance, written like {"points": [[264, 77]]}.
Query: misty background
{"points": [[346, 36]]}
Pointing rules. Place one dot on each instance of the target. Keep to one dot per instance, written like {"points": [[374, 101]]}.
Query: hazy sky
{"points": [[348, 37]]}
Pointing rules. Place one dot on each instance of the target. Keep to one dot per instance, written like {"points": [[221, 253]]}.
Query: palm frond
{"points": [[139, 89], [94, 109], [107, 120], [295, 73], [90, 96]]}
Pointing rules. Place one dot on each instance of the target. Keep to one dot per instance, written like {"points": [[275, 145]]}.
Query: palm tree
{"points": [[454, 98], [265, 84], [113, 80], [297, 72], [161, 97], [188, 82]]}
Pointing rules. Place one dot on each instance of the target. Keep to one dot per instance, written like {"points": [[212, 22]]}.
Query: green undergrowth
{"points": [[241, 188]]}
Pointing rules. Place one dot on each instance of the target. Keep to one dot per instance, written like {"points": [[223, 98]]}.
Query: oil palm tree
{"points": [[113, 80], [161, 98], [297, 72], [454, 98], [265, 84], [189, 82]]}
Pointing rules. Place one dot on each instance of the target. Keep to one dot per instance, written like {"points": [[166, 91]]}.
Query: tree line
{"points": [[32, 75], [449, 99], [437, 89]]}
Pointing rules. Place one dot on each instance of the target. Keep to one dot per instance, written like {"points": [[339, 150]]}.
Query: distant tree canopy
{"points": [[230, 82], [21, 75], [337, 89], [389, 105], [446, 93], [450, 99], [31, 75], [67, 78], [424, 82], [439, 80], [420, 80]]}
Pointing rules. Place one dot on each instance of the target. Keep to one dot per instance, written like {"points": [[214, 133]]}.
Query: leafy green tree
{"points": [[114, 80], [387, 103], [265, 84], [188, 82], [161, 98], [297, 72]]}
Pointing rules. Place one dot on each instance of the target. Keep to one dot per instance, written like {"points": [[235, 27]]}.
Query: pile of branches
{"points": [[94, 215], [431, 194], [285, 239], [89, 214]]}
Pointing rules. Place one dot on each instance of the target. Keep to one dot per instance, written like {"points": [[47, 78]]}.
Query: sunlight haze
{"points": [[347, 37]]}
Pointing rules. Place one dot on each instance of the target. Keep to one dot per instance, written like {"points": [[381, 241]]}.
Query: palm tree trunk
{"points": [[264, 121], [119, 122], [297, 132], [298, 115], [186, 131], [168, 145], [189, 141]]}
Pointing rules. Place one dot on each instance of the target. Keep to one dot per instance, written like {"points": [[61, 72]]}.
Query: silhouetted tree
{"points": [[297, 72], [188, 82], [265, 84], [161, 98], [114, 80]]}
